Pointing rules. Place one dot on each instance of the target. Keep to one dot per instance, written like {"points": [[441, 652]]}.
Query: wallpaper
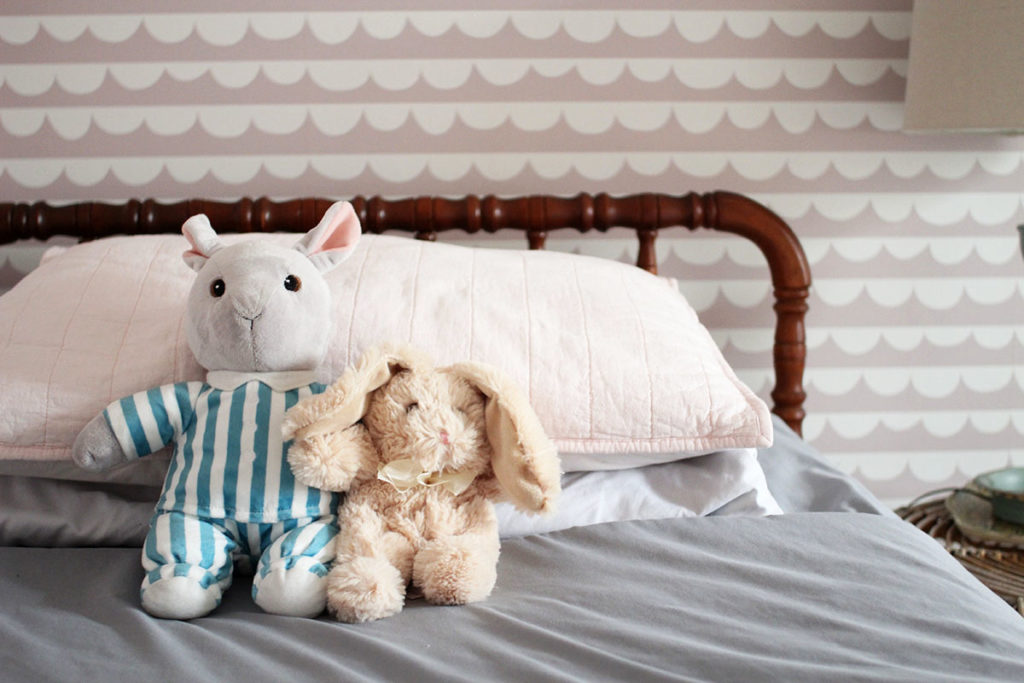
{"points": [[916, 326]]}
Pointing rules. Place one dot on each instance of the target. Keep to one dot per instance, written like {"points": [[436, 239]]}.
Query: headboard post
{"points": [[791, 282], [535, 215], [647, 255]]}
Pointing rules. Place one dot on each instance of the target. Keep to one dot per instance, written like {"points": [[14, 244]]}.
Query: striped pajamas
{"points": [[203, 549], [229, 492]]}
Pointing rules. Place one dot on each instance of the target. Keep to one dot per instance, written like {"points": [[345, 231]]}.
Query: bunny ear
{"points": [[200, 234], [334, 237], [346, 401], [525, 461]]}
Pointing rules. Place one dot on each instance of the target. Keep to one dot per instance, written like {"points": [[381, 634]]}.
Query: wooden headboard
{"points": [[535, 215]]}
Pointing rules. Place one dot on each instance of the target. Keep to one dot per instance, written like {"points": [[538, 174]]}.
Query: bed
{"points": [[698, 536]]}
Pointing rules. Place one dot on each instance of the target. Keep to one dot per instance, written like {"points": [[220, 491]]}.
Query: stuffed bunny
{"points": [[258, 320], [422, 452]]}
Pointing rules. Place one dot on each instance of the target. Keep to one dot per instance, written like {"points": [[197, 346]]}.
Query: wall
{"points": [[916, 324]]}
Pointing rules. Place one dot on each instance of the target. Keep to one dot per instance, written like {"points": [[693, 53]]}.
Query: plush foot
{"points": [[300, 591], [451, 573], [180, 597], [364, 589]]}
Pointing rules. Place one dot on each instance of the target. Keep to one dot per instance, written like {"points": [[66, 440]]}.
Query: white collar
{"points": [[229, 380]]}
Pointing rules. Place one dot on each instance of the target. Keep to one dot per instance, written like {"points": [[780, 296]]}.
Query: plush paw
{"points": [[96, 448], [300, 591], [310, 410], [332, 460], [180, 597], [451, 572], [364, 589]]}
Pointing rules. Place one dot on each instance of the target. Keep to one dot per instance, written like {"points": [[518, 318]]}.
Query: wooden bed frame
{"points": [[534, 215]]}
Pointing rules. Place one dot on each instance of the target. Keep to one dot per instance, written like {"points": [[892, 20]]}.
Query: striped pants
{"points": [[291, 559]]}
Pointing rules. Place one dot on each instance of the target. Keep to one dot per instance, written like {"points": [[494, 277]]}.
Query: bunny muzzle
{"points": [[447, 443]]}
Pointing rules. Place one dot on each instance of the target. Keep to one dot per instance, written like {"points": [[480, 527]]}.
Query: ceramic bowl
{"points": [[1005, 490]]}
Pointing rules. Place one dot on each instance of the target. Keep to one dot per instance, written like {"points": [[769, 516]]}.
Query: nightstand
{"points": [[1000, 568]]}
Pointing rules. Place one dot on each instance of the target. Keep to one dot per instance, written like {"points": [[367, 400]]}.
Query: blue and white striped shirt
{"points": [[229, 457]]}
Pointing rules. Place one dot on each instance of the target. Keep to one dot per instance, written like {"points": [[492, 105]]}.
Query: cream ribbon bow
{"points": [[406, 473]]}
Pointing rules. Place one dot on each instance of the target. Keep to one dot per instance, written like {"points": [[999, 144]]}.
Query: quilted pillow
{"points": [[612, 358]]}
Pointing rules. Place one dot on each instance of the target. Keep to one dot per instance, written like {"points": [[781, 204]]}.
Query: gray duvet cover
{"points": [[822, 593], [800, 597]]}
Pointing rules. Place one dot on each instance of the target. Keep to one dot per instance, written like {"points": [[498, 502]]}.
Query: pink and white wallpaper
{"points": [[916, 327]]}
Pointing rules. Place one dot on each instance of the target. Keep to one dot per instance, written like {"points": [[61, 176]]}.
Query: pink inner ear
{"points": [[193, 232], [340, 230]]}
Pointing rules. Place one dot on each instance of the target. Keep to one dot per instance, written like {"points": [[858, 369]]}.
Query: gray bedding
{"points": [[807, 596], [836, 589], [802, 481], [56, 511]]}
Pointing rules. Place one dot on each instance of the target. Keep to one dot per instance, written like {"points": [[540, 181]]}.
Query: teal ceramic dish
{"points": [[1005, 491]]}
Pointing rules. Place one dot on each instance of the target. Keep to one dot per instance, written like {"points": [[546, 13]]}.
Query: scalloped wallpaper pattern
{"points": [[916, 328]]}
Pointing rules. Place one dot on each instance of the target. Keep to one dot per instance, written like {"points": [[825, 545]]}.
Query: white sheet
{"points": [[684, 488]]}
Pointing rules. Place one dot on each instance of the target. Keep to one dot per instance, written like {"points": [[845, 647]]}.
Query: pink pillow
{"points": [[613, 359]]}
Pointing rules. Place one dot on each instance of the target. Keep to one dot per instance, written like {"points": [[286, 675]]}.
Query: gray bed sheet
{"points": [[802, 481], [53, 511], [800, 597], [820, 593]]}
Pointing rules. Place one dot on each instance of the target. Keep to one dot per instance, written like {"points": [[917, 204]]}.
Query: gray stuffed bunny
{"points": [[258, 319]]}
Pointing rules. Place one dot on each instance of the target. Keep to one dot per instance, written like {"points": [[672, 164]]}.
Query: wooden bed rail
{"points": [[535, 215]]}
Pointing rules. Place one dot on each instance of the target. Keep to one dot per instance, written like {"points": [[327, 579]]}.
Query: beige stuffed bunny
{"points": [[422, 452]]}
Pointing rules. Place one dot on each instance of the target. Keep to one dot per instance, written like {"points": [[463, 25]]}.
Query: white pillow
{"points": [[612, 358], [730, 481]]}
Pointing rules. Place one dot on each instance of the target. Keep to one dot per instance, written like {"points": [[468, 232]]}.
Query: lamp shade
{"points": [[966, 70]]}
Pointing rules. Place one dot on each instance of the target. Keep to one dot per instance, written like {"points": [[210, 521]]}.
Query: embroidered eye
{"points": [[217, 288], [412, 406], [292, 283]]}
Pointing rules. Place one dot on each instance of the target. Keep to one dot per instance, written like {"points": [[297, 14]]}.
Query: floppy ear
{"points": [[200, 234], [524, 461], [346, 401], [334, 237]]}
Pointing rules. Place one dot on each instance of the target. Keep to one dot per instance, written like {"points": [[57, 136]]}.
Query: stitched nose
{"points": [[249, 308], [248, 316], [248, 297], [444, 437]]}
